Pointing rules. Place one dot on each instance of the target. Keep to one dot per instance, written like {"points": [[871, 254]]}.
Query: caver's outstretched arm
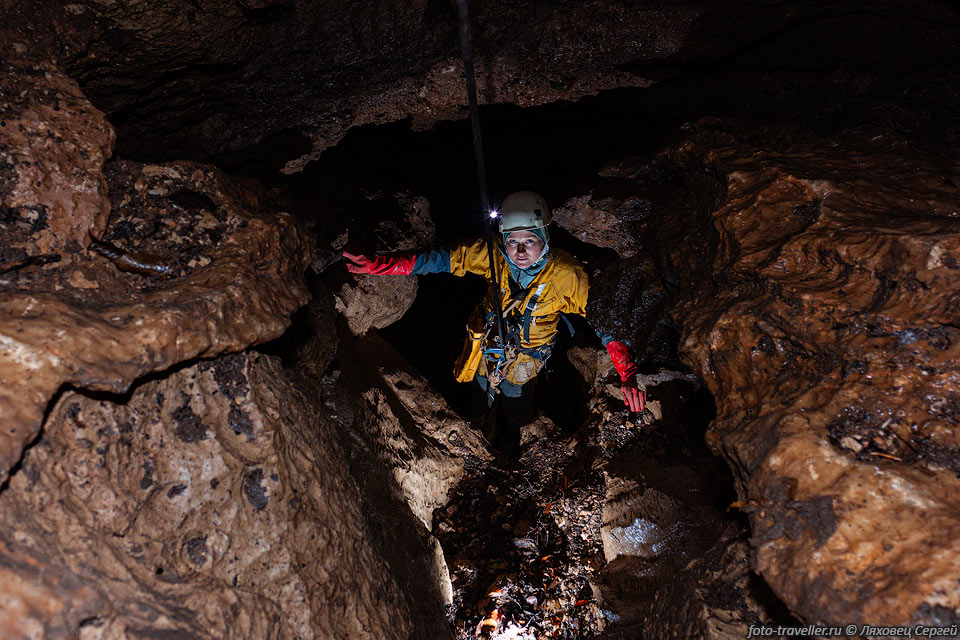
{"points": [[468, 257], [398, 264]]}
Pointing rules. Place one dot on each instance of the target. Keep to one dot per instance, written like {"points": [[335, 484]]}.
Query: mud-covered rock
{"points": [[824, 326], [240, 533]]}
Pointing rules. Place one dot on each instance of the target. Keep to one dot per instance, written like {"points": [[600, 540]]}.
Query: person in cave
{"points": [[538, 284]]}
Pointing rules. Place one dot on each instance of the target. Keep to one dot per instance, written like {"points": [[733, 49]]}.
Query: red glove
{"points": [[633, 397], [399, 264]]}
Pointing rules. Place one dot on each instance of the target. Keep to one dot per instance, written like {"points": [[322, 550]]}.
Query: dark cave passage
{"points": [[527, 542], [212, 430], [555, 150]]}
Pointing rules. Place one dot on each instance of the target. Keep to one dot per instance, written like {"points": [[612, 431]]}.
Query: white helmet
{"points": [[524, 211]]}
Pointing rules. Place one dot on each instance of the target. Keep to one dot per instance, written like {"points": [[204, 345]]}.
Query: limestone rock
{"points": [[212, 503], [410, 450], [376, 301], [826, 316], [53, 144], [233, 276], [594, 222], [410, 427], [630, 297], [42, 600], [402, 224], [678, 565], [214, 78]]}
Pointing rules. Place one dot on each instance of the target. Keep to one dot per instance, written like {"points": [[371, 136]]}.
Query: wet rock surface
{"points": [[224, 533], [818, 309], [191, 268], [58, 320], [825, 331]]}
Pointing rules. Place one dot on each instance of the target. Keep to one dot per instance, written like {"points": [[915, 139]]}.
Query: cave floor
{"points": [[527, 541]]}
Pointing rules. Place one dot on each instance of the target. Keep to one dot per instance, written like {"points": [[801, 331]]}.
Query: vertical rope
{"points": [[471, 82]]}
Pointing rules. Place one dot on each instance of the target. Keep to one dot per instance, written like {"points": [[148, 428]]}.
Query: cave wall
{"points": [[214, 502], [826, 332], [149, 493], [813, 281], [816, 304], [234, 273]]}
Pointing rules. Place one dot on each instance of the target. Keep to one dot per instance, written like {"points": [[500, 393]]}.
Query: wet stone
{"points": [[228, 373], [147, 480], [240, 423]]}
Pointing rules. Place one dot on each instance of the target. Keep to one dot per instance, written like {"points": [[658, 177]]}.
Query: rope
{"points": [[472, 100], [478, 156]]}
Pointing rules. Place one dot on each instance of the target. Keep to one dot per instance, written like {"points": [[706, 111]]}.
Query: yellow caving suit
{"points": [[560, 287]]}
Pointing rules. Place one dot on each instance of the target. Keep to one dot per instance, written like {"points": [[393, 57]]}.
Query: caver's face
{"points": [[524, 248]]}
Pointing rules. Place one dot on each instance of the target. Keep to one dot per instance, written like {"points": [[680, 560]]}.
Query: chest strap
{"points": [[528, 311], [517, 293]]}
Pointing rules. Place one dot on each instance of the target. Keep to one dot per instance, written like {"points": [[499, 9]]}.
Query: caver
{"points": [[511, 333]]}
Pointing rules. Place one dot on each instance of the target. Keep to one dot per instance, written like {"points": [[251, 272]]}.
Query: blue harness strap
{"points": [[528, 311], [517, 328]]}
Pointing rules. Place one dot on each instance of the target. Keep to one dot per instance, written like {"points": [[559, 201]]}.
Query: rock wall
{"points": [[825, 327], [814, 282], [214, 502], [161, 495], [284, 79]]}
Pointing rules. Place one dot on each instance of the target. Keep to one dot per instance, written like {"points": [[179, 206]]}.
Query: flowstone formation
{"points": [[207, 499], [819, 307], [212, 503], [193, 268]]}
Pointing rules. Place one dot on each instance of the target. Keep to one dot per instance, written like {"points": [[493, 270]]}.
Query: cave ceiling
{"points": [[218, 80]]}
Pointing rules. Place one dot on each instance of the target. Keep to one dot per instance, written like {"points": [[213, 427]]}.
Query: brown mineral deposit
{"points": [[829, 317], [211, 503]]}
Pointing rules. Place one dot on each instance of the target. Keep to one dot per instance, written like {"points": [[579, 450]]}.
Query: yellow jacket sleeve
{"points": [[574, 284], [470, 256]]}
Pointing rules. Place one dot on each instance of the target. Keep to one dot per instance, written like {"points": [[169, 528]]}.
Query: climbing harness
{"points": [[517, 319], [470, 78]]}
